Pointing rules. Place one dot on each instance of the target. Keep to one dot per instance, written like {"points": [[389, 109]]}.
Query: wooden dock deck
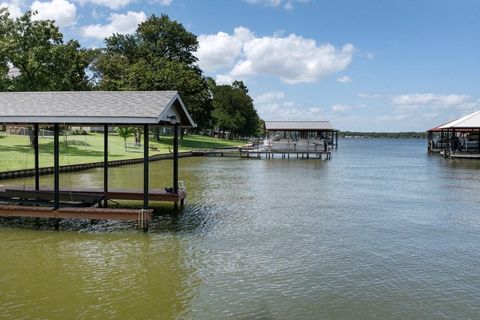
{"points": [[142, 216], [74, 213], [472, 156], [78, 195], [80, 204]]}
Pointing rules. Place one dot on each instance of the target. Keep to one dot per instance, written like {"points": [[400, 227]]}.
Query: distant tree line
{"points": [[158, 56], [383, 135]]}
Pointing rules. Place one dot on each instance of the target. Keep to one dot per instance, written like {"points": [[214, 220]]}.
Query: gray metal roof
{"points": [[101, 107], [297, 125]]}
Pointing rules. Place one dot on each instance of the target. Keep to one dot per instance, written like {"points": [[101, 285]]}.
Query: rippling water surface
{"points": [[382, 231]]}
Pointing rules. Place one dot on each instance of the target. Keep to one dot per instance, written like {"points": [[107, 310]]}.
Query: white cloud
{"points": [[344, 79], [274, 105], [13, 8], [117, 4], [112, 4], [429, 99], [119, 23], [340, 108], [423, 107], [223, 79], [62, 12], [269, 97], [292, 58], [220, 50], [287, 5]]}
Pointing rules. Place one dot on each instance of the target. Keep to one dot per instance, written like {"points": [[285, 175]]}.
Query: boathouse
{"points": [[301, 135], [93, 108], [459, 138], [305, 139]]}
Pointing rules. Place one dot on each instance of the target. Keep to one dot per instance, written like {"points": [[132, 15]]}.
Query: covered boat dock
{"points": [[457, 139], [300, 139], [99, 108]]}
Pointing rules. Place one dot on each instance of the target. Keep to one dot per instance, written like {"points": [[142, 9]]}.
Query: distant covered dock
{"points": [[99, 108], [459, 138], [298, 138]]}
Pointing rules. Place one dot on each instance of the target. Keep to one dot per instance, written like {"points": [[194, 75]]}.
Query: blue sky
{"points": [[365, 65]]}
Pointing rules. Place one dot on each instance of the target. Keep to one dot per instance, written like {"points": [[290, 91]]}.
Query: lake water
{"points": [[382, 231]]}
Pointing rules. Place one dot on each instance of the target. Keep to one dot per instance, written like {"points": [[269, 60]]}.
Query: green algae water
{"points": [[382, 231]]}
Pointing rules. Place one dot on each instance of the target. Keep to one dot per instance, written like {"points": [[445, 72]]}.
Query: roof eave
{"points": [[77, 120]]}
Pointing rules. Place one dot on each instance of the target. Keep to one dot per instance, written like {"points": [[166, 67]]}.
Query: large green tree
{"points": [[36, 49], [234, 110], [158, 56]]}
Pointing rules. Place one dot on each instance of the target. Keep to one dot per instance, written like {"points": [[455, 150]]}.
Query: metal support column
{"points": [[478, 140], [175, 162], [105, 164], [145, 167], [37, 159], [56, 165]]}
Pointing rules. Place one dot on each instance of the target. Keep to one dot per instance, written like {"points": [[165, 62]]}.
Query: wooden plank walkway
{"points": [[465, 156], [86, 194], [142, 216], [73, 213]]}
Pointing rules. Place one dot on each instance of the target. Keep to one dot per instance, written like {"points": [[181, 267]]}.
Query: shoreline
{"points": [[23, 173]]}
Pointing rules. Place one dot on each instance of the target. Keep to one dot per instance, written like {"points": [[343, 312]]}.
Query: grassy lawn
{"points": [[16, 152]]}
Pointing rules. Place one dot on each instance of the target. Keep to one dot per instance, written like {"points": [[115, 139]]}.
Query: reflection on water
{"points": [[382, 231]]}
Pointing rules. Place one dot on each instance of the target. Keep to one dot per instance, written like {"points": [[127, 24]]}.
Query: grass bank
{"points": [[17, 154]]}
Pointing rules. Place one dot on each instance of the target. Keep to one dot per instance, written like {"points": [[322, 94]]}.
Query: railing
{"points": [[286, 145]]}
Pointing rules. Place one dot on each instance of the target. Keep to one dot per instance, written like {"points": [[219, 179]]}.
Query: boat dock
{"points": [[99, 108]]}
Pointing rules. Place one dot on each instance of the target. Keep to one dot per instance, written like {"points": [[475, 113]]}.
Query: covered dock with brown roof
{"points": [[100, 108]]}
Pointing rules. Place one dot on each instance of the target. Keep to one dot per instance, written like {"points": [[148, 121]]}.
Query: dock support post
{"points": [[175, 162], [56, 224], [56, 165], [336, 140], [105, 164], [145, 166], [478, 140], [37, 158]]}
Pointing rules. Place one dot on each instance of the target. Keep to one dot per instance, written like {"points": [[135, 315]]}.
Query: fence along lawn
{"points": [[16, 153]]}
